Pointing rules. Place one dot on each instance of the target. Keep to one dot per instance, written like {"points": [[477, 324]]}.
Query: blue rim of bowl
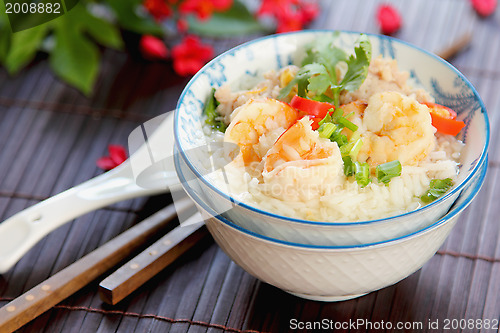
{"points": [[450, 215], [325, 223]]}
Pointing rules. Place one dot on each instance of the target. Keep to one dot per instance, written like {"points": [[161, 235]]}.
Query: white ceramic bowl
{"points": [[446, 84], [330, 273]]}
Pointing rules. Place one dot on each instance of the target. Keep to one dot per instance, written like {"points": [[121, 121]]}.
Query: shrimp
{"points": [[299, 143], [396, 127], [256, 125], [357, 109], [384, 75], [301, 165]]}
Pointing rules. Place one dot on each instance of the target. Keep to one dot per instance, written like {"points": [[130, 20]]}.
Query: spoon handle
{"points": [[23, 230], [20, 232], [74, 277]]}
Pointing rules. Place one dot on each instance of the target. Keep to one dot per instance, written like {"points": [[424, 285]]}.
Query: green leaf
{"points": [[310, 57], [74, 58], [331, 59], [104, 33], [236, 21], [5, 34], [365, 46], [23, 47], [4, 46], [323, 98], [357, 65], [319, 79], [101, 30], [324, 51], [319, 69], [317, 48], [126, 13], [302, 80], [69, 4]]}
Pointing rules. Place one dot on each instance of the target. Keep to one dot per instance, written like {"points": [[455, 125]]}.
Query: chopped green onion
{"points": [[437, 188], [388, 170], [341, 139], [347, 124], [355, 149], [337, 114], [355, 136], [346, 149], [348, 166], [338, 132], [327, 119], [349, 115], [362, 173], [211, 113], [326, 130]]}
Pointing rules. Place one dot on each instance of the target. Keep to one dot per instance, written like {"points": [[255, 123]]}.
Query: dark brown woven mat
{"points": [[51, 136]]}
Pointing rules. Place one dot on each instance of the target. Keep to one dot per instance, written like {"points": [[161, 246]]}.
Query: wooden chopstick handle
{"points": [[150, 262], [457, 46], [74, 277]]}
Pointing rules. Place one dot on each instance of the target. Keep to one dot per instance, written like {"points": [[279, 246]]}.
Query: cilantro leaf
{"points": [[323, 51], [301, 80], [357, 65], [310, 57], [330, 59], [319, 78], [319, 71]]}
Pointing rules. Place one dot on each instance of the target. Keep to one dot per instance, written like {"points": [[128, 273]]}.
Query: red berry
{"points": [[388, 19], [484, 7], [106, 163], [117, 155], [153, 47]]}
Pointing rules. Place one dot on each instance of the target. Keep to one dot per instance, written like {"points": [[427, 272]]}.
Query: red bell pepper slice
{"points": [[313, 108], [444, 119]]}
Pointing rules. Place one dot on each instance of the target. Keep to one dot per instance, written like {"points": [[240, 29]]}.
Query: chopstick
{"points": [[74, 277], [151, 261], [457, 46]]}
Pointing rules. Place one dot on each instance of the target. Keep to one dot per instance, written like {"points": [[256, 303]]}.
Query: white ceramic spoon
{"points": [[22, 231]]}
